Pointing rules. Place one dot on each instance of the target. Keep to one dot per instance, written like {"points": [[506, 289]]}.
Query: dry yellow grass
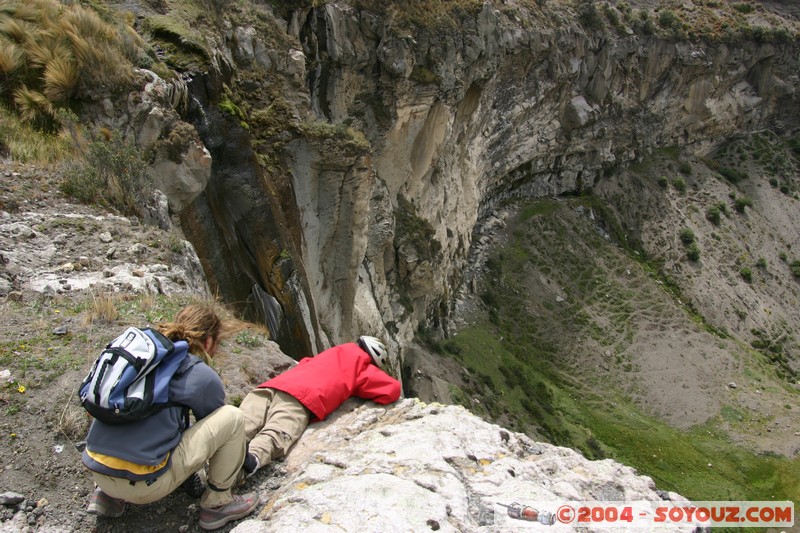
{"points": [[104, 308], [60, 78], [11, 57], [57, 51], [74, 421], [32, 106]]}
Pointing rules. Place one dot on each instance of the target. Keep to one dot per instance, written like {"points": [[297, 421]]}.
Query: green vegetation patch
{"points": [[346, 137], [38, 350], [425, 14], [182, 44], [109, 171], [27, 144], [701, 464], [53, 54], [525, 366]]}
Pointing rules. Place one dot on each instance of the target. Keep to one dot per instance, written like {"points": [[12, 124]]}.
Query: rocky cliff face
{"points": [[513, 110], [354, 155]]}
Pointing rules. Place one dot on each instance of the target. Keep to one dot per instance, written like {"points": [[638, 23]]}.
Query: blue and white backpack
{"points": [[130, 379]]}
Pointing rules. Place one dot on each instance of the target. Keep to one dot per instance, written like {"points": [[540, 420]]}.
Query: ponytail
{"points": [[194, 324]]}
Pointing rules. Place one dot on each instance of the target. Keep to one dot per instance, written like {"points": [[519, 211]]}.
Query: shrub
{"points": [[795, 268], [646, 24], [714, 215], [686, 236], [663, 182], [679, 184], [671, 22], [732, 175], [741, 203], [693, 252], [746, 274], [668, 19], [589, 15], [111, 171], [685, 168], [761, 263], [744, 8], [612, 16]]}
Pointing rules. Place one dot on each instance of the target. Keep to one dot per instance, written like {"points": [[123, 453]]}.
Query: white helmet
{"points": [[376, 350]]}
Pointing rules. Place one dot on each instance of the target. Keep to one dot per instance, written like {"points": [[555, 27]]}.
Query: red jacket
{"points": [[323, 382]]}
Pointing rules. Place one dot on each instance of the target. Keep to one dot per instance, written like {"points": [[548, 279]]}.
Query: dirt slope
{"points": [[47, 341]]}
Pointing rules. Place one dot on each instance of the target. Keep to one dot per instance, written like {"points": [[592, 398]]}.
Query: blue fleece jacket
{"points": [[195, 386]]}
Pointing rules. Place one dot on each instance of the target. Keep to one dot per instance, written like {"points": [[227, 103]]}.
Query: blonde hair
{"points": [[194, 324]]}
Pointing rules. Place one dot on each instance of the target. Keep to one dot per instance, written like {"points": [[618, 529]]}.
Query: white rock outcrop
{"points": [[418, 467], [49, 251]]}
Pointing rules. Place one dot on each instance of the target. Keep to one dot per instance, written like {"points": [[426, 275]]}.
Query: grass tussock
{"points": [[73, 422], [52, 54], [103, 308], [26, 144]]}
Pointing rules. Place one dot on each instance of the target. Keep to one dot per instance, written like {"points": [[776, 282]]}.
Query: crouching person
{"points": [[143, 461], [277, 412]]}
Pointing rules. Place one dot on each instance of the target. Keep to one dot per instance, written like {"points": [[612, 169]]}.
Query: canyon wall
{"points": [[344, 198]]}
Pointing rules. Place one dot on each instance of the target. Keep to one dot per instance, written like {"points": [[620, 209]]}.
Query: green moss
{"points": [[537, 209], [277, 117], [423, 75], [183, 45], [228, 106], [349, 137]]}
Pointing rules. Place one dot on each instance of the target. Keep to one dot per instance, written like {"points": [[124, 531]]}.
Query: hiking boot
{"points": [[101, 504], [251, 464], [194, 485], [241, 506]]}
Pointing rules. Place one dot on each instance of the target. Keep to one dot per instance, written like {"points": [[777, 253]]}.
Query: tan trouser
{"points": [[218, 439], [273, 421]]}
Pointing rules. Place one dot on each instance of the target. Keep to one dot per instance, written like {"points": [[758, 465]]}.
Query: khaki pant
{"points": [[273, 421], [218, 439]]}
